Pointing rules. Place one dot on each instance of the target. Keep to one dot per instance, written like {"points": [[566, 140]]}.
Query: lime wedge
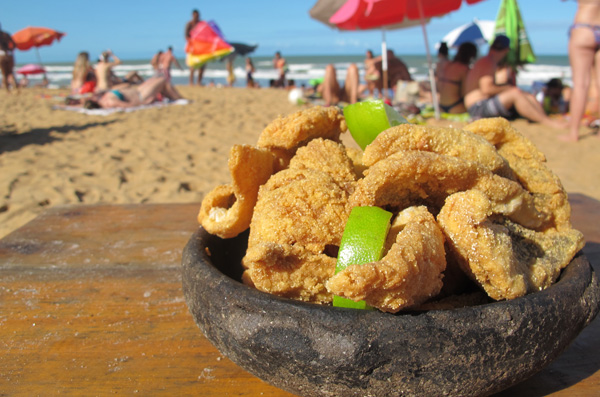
{"points": [[362, 242], [367, 119]]}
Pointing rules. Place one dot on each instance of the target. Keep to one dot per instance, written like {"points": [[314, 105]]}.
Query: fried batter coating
{"points": [[296, 229], [529, 165], [448, 141], [409, 274], [227, 210], [284, 135], [506, 259], [327, 156], [408, 178]]}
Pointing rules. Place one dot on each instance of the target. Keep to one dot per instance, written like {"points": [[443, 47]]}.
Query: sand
{"points": [[174, 154]]}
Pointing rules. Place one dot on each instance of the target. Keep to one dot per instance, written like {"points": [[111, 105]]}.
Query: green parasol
{"points": [[510, 23]]}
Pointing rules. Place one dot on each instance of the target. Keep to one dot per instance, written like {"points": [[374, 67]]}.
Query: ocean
{"points": [[304, 68]]}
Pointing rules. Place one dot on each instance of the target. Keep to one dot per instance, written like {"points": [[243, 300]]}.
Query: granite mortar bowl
{"points": [[316, 350]]}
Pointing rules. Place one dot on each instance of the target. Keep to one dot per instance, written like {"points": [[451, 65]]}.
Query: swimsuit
{"points": [[118, 94], [594, 28], [491, 107], [446, 108]]}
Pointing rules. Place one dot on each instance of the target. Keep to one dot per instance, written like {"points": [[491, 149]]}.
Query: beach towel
{"points": [[106, 112]]}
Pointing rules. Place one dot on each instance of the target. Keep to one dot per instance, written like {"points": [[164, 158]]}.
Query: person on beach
{"points": [[188, 28], [554, 97], [371, 72], [249, 73], [397, 71], [584, 46], [153, 89], [107, 61], [7, 60], [165, 61], [280, 64], [84, 76], [484, 98], [331, 91], [442, 58], [451, 79], [154, 62]]}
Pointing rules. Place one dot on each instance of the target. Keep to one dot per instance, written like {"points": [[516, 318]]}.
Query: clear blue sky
{"points": [[137, 29]]}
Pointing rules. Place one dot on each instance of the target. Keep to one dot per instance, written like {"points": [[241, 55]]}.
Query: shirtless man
{"points": [[165, 61], [104, 69], [7, 60], [584, 52], [188, 28], [280, 64], [485, 98]]}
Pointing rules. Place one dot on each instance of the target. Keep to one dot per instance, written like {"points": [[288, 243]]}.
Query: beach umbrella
{"points": [[477, 32], [510, 23], [383, 14], [206, 43], [31, 68], [36, 37]]}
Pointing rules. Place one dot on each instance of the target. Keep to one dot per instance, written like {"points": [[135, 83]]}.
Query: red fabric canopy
{"points": [[370, 14], [35, 37]]}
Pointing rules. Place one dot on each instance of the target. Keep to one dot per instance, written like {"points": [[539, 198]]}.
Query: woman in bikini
{"points": [[452, 78], [142, 94], [584, 43]]}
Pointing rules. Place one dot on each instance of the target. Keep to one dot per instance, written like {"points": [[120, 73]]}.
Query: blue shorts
{"points": [[491, 107]]}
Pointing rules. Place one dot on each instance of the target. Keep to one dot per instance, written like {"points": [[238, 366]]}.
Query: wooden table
{"points": [[91, 303]]}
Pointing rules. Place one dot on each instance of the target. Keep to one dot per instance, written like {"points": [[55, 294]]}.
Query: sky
{"points": [[135, 29]]}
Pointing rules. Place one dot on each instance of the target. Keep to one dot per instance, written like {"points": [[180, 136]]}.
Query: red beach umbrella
{"points": [[388, 14], [31, 68], [35, 37]]}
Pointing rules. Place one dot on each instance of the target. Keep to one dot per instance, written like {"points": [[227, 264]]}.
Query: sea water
{"points": [[304, 68]]}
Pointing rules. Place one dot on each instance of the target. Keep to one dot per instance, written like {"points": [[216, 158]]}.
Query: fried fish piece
{"points": [[448, 141], [298, 223], [506, 259], [410, 272], [327, 156], [529, 166], [409, 178], [284, 135], [226, 211]]}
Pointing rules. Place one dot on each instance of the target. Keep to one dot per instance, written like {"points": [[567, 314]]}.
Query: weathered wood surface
{"points": [[91, 302]]}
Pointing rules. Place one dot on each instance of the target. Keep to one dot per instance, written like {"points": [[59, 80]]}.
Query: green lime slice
{"points": [[362, 242], [367, 119]]}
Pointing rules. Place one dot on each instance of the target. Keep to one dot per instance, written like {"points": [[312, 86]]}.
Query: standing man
{"points": [[485, 98], [165, 61], [7, 60], [188, 28], [280, 64]]}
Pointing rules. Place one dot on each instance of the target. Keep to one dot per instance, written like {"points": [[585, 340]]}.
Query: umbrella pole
{"points": [[37, 52], [436, 106], [384, 64]]}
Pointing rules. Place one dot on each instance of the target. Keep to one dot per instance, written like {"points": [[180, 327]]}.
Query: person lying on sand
{"points": [[151, 90], [333, 93]]}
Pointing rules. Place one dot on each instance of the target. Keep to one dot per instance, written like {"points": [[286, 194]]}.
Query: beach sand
{"points": [[174, 154]]}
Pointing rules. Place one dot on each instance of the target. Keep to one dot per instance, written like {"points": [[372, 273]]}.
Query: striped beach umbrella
{"points": [[510, 23]]}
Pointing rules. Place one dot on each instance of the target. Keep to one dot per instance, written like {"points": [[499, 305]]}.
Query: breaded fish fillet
{"points": [[506, 259], [529, 165], [448, 141], [410, 272]]}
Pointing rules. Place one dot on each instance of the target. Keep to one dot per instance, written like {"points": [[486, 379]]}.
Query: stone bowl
{"points": [[315, 350]]}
